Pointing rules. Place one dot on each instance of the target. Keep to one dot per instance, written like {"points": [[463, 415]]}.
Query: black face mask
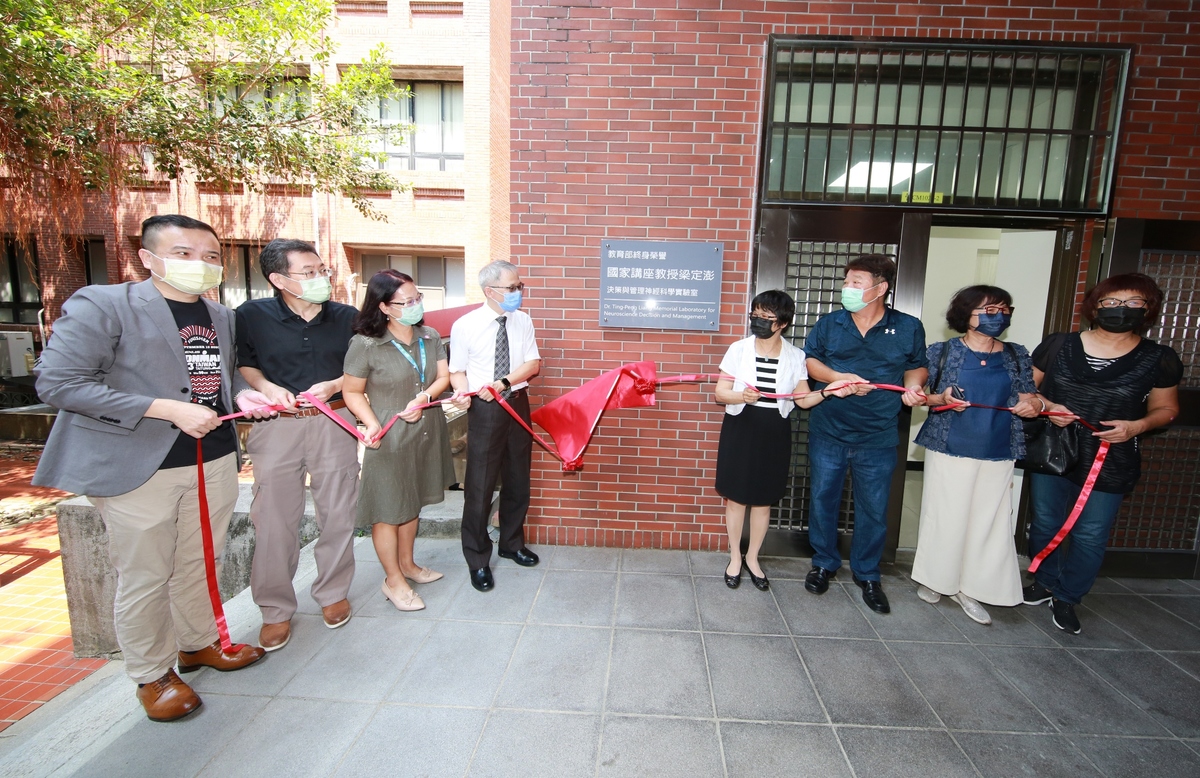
{"points": [[761, 328], [1119, 319]]}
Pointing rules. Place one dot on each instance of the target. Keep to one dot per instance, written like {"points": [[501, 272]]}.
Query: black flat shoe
{"points": [[522, 556], [482, 579], [733, 581], [762, 584], [817, 580], [873, 596]]}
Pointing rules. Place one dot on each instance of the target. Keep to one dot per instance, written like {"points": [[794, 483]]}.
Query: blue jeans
{"points": [[1070, 570], [871, 470]]}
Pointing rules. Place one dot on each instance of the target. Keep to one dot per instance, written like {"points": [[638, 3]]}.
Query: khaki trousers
{"points": [[162, 604], [285, 450]]}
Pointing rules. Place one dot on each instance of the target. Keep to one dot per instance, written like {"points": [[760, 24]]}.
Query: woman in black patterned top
{"points": [[1123, 383], [755, 449]]}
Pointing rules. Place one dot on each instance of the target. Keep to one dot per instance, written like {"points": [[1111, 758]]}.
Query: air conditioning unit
{"points": [[13, 348]]}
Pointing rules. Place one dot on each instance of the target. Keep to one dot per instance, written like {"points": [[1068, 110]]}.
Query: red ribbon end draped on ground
{"points": [[210, 556]]}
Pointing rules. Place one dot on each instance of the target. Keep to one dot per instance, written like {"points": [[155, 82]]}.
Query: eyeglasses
{"points": [[307, 274], [1117, 302], [510, 289], [408, 303], [992, 310], [771, 319]]}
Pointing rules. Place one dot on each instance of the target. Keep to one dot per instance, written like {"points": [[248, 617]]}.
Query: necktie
{"points": [[502, 365]]}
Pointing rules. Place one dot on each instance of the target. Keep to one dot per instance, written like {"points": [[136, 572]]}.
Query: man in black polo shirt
{"points": [[869, 342], [296, 342]]}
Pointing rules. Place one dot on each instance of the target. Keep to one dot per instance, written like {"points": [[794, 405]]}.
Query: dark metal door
{"points": [[804, 252], [1155, 533]]}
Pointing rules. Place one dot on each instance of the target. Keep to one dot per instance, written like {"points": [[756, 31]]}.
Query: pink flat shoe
{"points": [[411, 601], [424, 575]]}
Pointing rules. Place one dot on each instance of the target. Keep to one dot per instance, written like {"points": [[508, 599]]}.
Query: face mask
{"points": [[992, 324], [314, 290], [852, 299], [188, 275], [511, 302], [761, 328], [1119, 319], [412, 314]]}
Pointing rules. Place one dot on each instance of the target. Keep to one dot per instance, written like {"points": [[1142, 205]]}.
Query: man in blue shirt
{"points": [[871, 343]]}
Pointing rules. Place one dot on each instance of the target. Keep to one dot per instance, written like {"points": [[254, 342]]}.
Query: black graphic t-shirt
{"points": [[203, 355]]}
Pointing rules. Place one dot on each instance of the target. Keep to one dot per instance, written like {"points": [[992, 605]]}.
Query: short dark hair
{"points": [[275, 256], [1140, 283], [877, 265], [371, 321], [156, 224], [967, 299], [777, 303]]}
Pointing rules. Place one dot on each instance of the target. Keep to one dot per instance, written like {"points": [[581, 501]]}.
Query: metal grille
{"points": [[1163, 512], [815, 271], [968, 126], [1178, 275]]}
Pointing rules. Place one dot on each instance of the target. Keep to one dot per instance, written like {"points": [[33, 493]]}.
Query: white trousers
{"points": [[965, 541]]}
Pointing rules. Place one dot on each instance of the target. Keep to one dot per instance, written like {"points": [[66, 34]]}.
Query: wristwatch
{"points": [[506, 382]]}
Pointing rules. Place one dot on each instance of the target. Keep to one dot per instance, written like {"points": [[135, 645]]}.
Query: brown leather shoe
{"points": [[273, 637], [168, 698], [337, 614], [212, 656]]}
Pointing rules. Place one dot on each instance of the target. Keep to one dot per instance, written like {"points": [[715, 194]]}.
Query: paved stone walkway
{"points": [[602, 662]]}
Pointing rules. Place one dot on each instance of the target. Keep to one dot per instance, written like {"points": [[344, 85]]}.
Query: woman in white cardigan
{"points": [[755, 449]]}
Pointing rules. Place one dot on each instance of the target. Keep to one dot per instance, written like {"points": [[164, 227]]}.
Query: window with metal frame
{"points": [[20, 289], [434, 109], [955, 126], [243, 277]]}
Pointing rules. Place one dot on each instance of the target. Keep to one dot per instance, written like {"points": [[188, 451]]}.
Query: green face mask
{"points": [[412, 314], [315, 290], [852, 299]]}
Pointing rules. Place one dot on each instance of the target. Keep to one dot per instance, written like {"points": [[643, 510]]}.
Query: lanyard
{"points": [[419, 368]]}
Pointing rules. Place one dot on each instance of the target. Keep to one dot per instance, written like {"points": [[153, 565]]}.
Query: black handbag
{"points": [[1049, 449]]}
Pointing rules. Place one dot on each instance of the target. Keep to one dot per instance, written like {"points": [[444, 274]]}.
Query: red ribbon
{"points": [[210, 557], [1086, 492]]}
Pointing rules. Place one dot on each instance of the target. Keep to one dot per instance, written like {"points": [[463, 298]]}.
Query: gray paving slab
{"points": [[510, 601], [832, 614], [1097, 631], [411, 741], [860, 683], [557, 668], [274, 671], [663, 747], [656, 601], [744, 609], [760, 678], [1154, 626], [581, 558], [1153, 684], [1004, 755], [537, 744], [1184, 606], [575, 597], [1156, 585], [460, 663], [658, 672], [894, 753], [911, 618], [774, 750], [653, 560], [1138, 757]]}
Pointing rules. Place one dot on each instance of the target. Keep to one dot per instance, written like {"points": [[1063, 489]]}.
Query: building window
{"points": [[441, 279], [20, 295], [964, 126], [435, 140], [95, 260], [243, 278]]}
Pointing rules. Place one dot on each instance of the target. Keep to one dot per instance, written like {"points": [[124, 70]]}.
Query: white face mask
{"points": [[313, 290], [189, 276]]}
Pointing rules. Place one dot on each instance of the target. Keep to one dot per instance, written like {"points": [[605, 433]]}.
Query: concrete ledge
{"points": [[91, 582]]}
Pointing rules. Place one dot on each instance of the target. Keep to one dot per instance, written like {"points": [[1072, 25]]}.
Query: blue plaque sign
{"points": [[667, 285]]}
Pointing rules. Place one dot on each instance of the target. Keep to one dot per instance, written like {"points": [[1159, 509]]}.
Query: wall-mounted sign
{"points": [[660, 285]]}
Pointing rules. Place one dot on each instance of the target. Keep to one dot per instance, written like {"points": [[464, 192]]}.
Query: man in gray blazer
{"points": [[139, 373]]}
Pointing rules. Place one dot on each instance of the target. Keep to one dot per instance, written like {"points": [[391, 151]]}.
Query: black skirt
{"points": [[754, 455]]}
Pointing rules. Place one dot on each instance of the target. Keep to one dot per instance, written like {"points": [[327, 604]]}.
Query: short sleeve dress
{"points": [[412, 467]]}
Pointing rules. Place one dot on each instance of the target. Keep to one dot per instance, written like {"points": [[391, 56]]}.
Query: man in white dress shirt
{"points": [[493, 352]]}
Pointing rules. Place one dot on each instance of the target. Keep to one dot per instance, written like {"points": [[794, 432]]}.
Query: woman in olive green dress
{"points": [[394, 364]]}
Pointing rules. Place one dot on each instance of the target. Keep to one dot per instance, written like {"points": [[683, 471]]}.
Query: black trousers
{"points": [[496, 446]]}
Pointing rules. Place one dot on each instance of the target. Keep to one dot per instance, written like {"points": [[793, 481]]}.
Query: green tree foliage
{"points": [[99, 94]]}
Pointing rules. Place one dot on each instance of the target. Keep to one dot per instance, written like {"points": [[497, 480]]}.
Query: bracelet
{"points": [[1044, 406], [823, 395], [428, 396]]}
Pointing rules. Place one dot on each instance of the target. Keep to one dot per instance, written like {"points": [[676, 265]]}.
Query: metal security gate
{"points": [[1156, 532], [804, 251]]}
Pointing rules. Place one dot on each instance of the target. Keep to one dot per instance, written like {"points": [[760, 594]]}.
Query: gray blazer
{"points": [[114, 350]]}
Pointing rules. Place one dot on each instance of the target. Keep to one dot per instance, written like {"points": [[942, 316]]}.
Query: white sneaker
{"points": [[927, 594], [973, 609]]}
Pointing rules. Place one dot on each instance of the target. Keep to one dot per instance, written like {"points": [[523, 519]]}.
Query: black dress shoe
{"points": [[522, 556], [873, 595], [762, 584], [733, 581], [482, 579], [817, 580]]}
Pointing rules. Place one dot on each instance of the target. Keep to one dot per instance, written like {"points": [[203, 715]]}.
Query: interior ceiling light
{"points": [[880, 172]]}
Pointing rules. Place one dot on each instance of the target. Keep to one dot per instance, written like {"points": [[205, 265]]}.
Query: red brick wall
{"points": [[641, 119]]}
